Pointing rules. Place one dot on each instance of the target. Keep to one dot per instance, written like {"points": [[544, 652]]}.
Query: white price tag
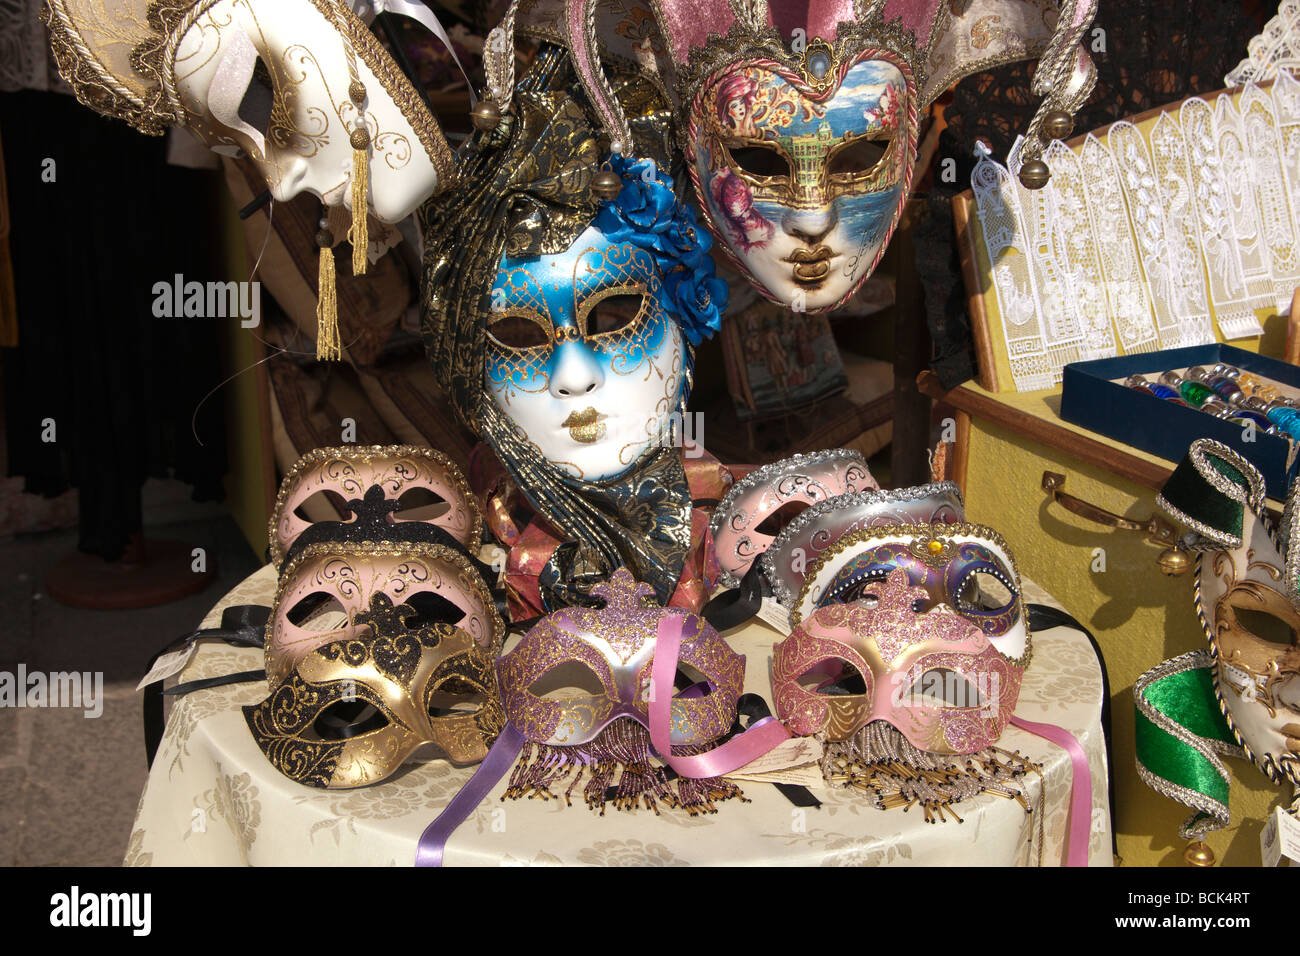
{"points": [[797, 753], [167, 665], [774, 615], [1280, 837]]}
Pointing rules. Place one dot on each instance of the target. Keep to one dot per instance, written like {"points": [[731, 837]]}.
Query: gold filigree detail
{"points": [[365, 455]]}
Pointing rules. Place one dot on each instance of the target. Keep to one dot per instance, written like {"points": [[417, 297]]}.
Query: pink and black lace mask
{"points": [[383, 492]]}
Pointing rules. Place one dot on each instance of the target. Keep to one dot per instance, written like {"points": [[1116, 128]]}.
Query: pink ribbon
{"points": [[1080, 786], [761, 737]]}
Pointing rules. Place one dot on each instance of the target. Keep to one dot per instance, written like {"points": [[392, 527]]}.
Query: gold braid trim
{"points": [[97, 87], [155, 58]]}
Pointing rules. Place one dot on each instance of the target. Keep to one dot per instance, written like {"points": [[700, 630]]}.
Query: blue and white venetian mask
{"points": [[588, 349]]}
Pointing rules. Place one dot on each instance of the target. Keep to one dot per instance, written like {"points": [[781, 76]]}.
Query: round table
{"points": [[213, 799]]}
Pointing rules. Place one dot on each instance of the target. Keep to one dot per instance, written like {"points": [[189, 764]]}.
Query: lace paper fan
{"points": [[1276, 49], [1181, 228]]}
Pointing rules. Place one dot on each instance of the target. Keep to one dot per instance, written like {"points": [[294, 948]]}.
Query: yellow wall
{"points": [[249, 467]]}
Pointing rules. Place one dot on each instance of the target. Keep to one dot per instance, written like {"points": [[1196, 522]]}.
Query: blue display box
{"points": [[1091, 397]]}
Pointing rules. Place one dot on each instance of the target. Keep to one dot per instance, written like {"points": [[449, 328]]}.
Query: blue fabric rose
{"points": [[646, 213], [700, 296], [647, 200]]}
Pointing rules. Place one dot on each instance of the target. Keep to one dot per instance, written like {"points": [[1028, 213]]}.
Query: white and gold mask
{"points": [[290, 83]]}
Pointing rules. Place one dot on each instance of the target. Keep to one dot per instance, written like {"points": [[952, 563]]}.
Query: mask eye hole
{"points": [[419, 504], [834, 678], [456, 697], [760, 160], [862, 590], [318, 611], [432, 608], [781, 517], [345, 719], [857, 160], [1265, 626], [614, 313], [943, 687], [323, 506], [568, 679], [259, 98], [982, 592], [690, 682], [517, 332]]}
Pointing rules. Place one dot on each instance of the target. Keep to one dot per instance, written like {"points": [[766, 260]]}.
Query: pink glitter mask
{"points": [[604, 657], [739, 535], [414, 484], [325, 588], [934, 676]]}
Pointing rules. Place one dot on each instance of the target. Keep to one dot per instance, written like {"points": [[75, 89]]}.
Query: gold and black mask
{"points": [[374, 651]]}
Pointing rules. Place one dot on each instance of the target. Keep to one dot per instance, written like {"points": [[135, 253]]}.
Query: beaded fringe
{"points": [[327, 310], [879, 761], [622, 749], [359, 233]]}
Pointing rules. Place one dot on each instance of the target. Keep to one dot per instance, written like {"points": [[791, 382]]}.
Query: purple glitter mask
{"points": [[600, 660]]}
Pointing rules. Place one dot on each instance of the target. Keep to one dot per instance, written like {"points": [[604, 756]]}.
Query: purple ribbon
{"points": [[762, 736], [433, 841], [1080, 786]]}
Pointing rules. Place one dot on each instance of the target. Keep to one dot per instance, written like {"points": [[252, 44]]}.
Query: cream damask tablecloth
{"points": [[213, 799]]}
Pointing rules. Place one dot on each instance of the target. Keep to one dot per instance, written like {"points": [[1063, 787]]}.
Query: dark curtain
{"points": [[119, 384]]}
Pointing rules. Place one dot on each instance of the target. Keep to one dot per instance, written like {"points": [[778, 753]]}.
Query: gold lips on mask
{"points": [[585, 426], [811, 265]]}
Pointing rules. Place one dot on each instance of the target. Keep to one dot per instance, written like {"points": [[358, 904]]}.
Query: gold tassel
{"points": [[327, 304], [359, 234]]}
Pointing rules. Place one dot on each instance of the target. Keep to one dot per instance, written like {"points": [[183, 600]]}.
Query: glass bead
{"points": [[1226, 389], [1195, 392], [1267, 392]]}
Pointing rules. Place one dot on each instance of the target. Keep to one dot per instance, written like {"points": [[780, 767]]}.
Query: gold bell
{"points": [[607, 184], [1174, 562], [1034, 174], [1057, 124], [1198, 854], [485, 115]]}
